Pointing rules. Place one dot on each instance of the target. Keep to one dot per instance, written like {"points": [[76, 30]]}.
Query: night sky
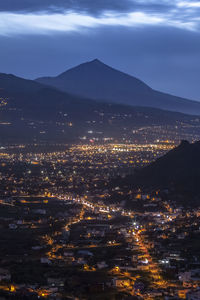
{"points": [[155, 40]]}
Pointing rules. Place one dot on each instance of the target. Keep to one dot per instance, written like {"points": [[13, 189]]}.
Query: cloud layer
{"points": [[47, 16], [91, 6]]}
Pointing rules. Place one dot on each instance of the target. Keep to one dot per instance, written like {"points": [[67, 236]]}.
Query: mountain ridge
{"points": [[98, 81], [178, 170], [32, 111]]}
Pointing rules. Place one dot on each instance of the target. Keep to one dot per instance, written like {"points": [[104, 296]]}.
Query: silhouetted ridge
{"points": [[34, 111], [179, 169], [96, 61], [184, 143], [98, 81]]}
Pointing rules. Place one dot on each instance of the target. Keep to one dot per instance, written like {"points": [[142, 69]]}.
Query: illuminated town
{"points": [[99, 150], [68, 232]]}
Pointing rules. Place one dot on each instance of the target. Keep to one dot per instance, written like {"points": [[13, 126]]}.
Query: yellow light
{"points": [[12, 288]]}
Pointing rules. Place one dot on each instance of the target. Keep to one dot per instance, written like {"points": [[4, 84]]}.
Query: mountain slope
{"points": [[30, 111], [13, 84], [178, 170], [95, 80], [32, 97]]}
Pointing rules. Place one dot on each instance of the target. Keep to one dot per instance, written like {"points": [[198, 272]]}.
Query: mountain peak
{"points": [[96, 60], [95, 63], [98, 81], [184, 143]]}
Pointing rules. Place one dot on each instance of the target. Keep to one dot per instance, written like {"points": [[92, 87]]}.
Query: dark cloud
{"points": [[91, 6]]}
